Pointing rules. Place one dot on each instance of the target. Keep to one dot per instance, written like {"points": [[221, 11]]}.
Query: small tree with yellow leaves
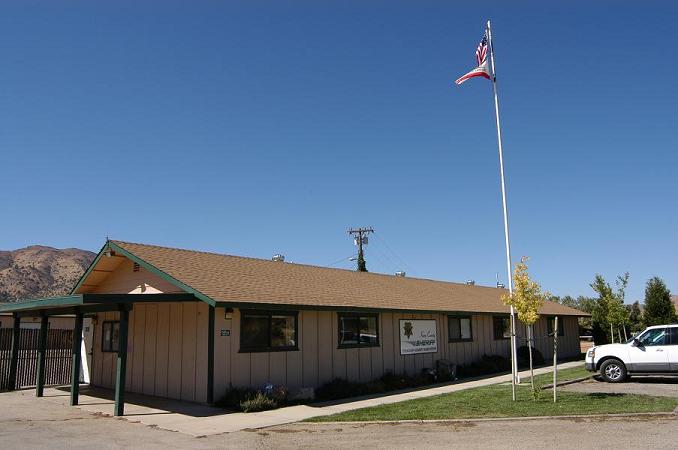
{"points": [[527, 299]]}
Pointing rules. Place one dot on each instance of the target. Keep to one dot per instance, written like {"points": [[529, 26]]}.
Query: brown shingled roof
{"points": [[236, 279]]}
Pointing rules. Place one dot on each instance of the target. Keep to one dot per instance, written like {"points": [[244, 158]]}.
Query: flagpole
{"points": [[514, 364]]}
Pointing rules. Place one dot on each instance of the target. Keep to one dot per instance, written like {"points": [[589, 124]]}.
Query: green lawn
{"points": [[563, 375], [495, 401]]}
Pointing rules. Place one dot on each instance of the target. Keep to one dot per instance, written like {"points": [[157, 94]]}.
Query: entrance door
{"points": [[651, 355]]}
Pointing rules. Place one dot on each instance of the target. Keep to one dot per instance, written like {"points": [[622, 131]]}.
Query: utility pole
{"points": [[360, 239]]}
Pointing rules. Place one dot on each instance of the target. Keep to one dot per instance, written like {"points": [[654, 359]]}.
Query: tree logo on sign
{"points": [[407, 329]]}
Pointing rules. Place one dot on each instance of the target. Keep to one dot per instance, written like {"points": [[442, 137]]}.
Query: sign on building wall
{"points": [[418, 336]]}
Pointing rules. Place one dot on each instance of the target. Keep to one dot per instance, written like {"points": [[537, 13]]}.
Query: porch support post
{"points": [[210, 355], [14, 361], [76, 358], [42, 357], [121, 366]]}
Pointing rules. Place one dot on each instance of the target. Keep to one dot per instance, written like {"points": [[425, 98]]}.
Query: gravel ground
{"points": [[614, 433], [26, 423]]}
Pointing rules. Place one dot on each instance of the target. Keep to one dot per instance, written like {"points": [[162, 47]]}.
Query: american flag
{"points": [[482, 69], [481, 51]]}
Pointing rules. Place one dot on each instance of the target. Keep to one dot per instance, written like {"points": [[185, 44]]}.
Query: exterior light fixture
{"points": [[228, 313]]}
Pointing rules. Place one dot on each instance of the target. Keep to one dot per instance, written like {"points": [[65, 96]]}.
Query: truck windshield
{"points": [[650, 338]]}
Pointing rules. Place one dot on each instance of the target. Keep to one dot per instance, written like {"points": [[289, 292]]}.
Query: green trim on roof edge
{"points": [[66, 300], [366, 309], [151, 268], [89, 269]]}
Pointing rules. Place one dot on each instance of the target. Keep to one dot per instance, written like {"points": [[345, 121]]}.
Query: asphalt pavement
{"points": [[657, 385]]}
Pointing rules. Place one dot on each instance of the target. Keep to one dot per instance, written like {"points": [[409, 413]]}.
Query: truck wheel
{"points": [[613, 371]]}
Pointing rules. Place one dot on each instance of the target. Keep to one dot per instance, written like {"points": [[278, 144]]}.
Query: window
{"points": [[459, 328], [110, 341], [654, 337], [551, 324], [502, 327], [674, 335], [262, 331], [358, 330]]}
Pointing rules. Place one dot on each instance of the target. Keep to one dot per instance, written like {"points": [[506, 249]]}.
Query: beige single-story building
{"points": [[188, 325]]}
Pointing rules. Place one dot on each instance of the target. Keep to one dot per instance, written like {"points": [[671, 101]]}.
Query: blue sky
{"points": [[254, 128]]}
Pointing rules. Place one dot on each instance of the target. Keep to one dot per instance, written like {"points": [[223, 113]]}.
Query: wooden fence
{"points": [[58, 360]]}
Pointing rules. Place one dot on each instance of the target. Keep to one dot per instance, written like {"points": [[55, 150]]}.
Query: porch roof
{"points": [[87, 303]]}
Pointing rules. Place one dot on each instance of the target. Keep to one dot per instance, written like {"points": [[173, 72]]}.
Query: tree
{"points": [[585, 304], [618, 315], [567, 301], [635, 318], [362, 266], [608, 310], [600, 310], [527, 299], [659, 309]]}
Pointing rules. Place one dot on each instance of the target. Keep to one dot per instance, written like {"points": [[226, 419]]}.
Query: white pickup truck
{"points": [[652, 352]]}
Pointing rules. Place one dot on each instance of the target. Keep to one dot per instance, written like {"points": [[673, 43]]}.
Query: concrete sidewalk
{"points": [[200, 420]]}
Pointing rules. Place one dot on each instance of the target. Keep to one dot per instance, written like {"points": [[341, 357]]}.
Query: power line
{"points": [[386, 261], [342, 260], [388, 247]]}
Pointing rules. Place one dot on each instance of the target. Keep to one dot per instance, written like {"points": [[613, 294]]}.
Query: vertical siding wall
{"points": [[319, 359], [568, 345], [167, 351]]}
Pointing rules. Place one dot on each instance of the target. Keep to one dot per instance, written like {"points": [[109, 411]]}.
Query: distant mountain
{"points": [[38, 271]]}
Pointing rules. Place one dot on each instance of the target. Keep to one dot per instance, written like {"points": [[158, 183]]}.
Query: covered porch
{"points": [[81, 306]]}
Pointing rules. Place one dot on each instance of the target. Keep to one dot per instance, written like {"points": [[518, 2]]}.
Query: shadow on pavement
{"points": [[163, 405], [645, 379]]}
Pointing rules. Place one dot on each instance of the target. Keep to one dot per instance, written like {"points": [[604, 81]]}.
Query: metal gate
{"points": [[58, 358]]}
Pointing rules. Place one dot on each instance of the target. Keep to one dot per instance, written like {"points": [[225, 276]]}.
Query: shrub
{"points": [[340, 388], [523, 354], [277, 393], [260, 402], [250, 400], [485, 366], [280, 394], [394, 382], [536, 392], [234, 396]]}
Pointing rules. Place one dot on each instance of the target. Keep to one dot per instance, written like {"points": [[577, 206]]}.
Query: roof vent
{"points": [[278, 257], [470, 282], [400, 274], [135, 267]]}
